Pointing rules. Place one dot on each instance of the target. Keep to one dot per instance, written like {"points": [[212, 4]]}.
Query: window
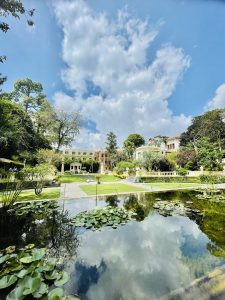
{"points": [[84, 153], [73, 153], [66, 152], [78, 153]]}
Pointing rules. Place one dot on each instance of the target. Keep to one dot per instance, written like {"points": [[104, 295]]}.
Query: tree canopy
{"points": [[210, 125], [132, 142], [17, 131]]}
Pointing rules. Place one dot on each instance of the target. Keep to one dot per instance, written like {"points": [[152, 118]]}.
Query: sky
{"points": [[126, 66]]}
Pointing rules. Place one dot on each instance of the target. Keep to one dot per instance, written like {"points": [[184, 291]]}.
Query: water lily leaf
{"points": [[53, 275], [69, 297], [26, 259], [4, 258], [7, 280], [30, 284], [23, 272], [16, 294], [38, 254], [43, 289], [63, 279], [29, 246], [10, 249], [56, 294]]}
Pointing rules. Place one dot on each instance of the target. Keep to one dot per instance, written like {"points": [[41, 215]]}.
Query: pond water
{"points": [[152, 257]]}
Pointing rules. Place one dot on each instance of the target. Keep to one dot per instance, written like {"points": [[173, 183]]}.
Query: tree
{"points": [[153, 161], [132, 142], [15, 9], [66, 127], [49, 156], [209, 155], [122, 166], [17, 133], [111, 147], [187, 158], [29, 94], [210, 125]]}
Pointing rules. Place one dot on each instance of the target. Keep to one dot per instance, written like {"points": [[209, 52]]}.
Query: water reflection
{"points": [[54, 232], [150, 258]]}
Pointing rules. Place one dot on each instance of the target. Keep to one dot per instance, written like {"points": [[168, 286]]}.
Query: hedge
{"points": [[177, 179]]}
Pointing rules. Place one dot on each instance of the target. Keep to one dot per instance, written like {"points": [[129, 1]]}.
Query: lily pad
{"points": [[56, 294], [7, 280]]}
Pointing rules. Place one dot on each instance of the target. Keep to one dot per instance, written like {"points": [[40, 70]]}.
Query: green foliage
{"points": [[132, 142], [39, 174], [36, 209], [176, 179], [111, 147], [29, 272], [108, 216], [17, 132], [66, 126], [187, 158], [153, 161], [49, 156], [210, 125], [182, 172], [209, 155], [91, 166], [122, 166], [14, 186]]}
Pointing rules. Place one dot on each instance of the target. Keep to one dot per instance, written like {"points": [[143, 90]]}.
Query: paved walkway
{"points": [[73, 191]]}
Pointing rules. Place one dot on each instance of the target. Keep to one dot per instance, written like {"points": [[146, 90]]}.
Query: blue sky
{"points": [[194, 27]]}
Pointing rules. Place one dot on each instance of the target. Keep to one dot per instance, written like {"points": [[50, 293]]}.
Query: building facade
{"points": [[83, 155], [159, 144]]}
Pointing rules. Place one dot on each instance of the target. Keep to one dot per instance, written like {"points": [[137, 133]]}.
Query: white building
{"points": [[159, 144]]}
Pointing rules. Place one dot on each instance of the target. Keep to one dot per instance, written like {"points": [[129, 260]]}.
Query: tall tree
{"points": [[16, 131], [16, 9], [132, 142], [29, 94], [111, 147], [66, 127], [210, 125]]}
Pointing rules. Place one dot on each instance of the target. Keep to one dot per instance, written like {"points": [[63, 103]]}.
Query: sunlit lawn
{"points": [[173, 185], [51, 193], [109, 188], [83, 178]]}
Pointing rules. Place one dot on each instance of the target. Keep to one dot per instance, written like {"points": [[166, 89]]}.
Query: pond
{"points": [[154, 256]]}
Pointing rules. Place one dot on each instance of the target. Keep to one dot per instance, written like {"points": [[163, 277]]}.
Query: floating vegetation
{"points": [[215, 196], [35, 208], [28, 273], [172, 208], [108, 216]]}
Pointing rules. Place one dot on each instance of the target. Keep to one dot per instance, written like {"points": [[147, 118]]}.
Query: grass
{"points": [[46, 194], [74, 178], [83, 178], [109, 188], [173, 185]]}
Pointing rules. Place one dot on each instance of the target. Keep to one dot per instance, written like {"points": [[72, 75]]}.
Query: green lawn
{"points": [[46, 194], [172, 185], [83, 178], [109, 188], [109, 178], [74, 178]]}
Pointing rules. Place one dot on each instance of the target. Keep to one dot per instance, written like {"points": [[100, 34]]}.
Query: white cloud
{"points": [[142, 260], [113, 56], [218, 100]]}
